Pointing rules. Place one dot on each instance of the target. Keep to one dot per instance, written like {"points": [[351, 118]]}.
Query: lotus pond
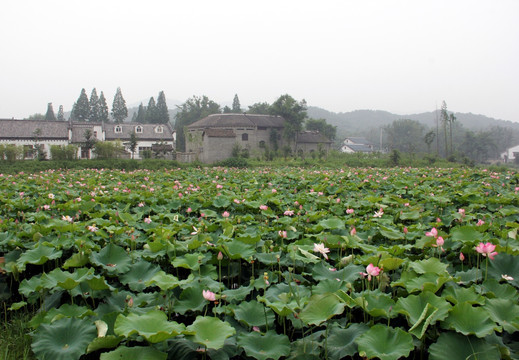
{"points": [[263, 263]]}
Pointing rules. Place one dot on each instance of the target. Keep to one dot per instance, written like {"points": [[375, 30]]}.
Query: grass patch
{"points": [[15, 341]]}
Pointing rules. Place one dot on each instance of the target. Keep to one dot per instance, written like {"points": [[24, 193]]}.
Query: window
{"points": [[118, 129], [138, 129], [262, 144], [159, 129], [245, 137], [95, 134]]}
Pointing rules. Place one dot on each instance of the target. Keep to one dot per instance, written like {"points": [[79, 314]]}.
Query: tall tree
{"points": [[227, 110], [119, 109], [429, 138], [405, 135], [140, 116], [236, 108], [162, 109], [260, 108], [444, 115], [294, 113], [82, 107], [452, 120], [61, 113], [151, 112], [193, 109], [95, 109], [103, 109], [324, 128], [49, 116]]}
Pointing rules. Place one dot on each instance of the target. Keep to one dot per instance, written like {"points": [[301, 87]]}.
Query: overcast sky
{"points": [[400, 56]]}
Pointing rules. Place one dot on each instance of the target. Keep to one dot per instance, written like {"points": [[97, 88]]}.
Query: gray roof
{"points": [[148, 131], [359, 141], [312, 137], [225, 133], [238, 120], [360, 148], [25, 129], [79, 128]]}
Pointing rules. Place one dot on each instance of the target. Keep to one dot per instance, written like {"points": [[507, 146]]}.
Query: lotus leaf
{"points": [[263, 347], [163, 281], [321, 308], [134, 353], [191, 299], [454, 346], [239, 250], [456, 295], [210, 331], [505, 264], [385, 342], [139, 274], [469, 320], [431, 265], [376, 303], [341, 342], [65, 339], [253, 313], [502, 291], [113, 259], [38, 256], [505, 312], [153, 326], [105, 342], [422, 310]]}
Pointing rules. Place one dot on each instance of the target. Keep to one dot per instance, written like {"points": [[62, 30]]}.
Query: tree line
{"points": [[95, 109], [293, 111], [447, 139]]}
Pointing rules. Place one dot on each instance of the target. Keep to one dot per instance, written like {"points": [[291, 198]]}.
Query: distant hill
{"points": [[364, 122]]}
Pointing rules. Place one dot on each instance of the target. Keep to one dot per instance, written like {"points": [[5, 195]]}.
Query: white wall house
{"points": [[356, 145], [511, 154], [30, 134]]}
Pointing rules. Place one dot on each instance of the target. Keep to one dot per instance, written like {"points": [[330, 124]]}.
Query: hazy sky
{"points": [[401, 56]]}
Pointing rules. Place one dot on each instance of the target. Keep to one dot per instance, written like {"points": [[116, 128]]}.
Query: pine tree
{"points": [[94, 106], [140, 116], [236, 108], [49, 116], [61, 114], [119, 109], [103, 109], [162, 109], [151, 112], [82, 108]]}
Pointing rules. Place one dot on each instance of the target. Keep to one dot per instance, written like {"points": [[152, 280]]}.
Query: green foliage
{"points": [[259, 108], [162, 116], [293, 112], [63, 152], [320, 125], [108, 149], [81, 108], [61, 114], [49, 115], [95, 107], [119, 109], [236, 108], [103, 109], [193, 109]]}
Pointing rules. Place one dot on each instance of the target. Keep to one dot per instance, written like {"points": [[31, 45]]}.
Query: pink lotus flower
{"points": [[282, 234], [147, 220], [371, 271], [321, 249], [264, 207], [405, 230], [92, 228], [433, 233], [379, 213], [350, 211], [462, 257], [487, 249], [67, 218], [219, 256], [480, 222], [226, 214], [439, 241], [288, 213], [209, 295], [141, 204], [353, 231]]}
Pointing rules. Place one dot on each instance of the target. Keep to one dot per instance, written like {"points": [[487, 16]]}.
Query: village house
{"points": [[34, 134], [357, 145], [214, 137]]}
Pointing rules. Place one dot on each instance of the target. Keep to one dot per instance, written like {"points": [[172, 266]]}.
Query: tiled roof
{"points": [[25, 129], [148, 131], [79, 128], [312, 137], [360, 148], [225, 133], [238, 120]]}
